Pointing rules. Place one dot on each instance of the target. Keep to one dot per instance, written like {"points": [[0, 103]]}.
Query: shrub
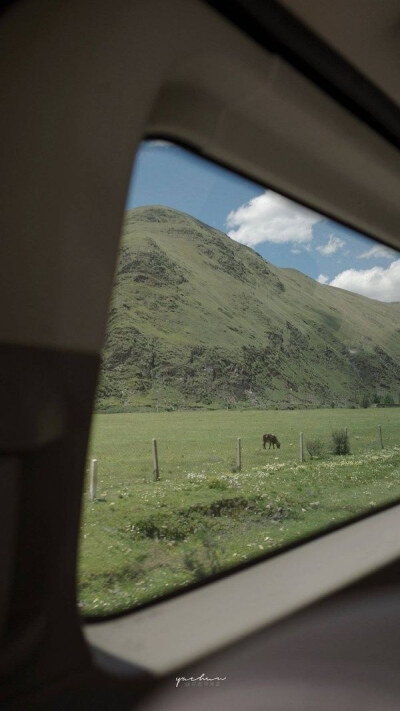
{"points": [[340, 442], [365, 402], [388, 399], [203, 559], [314, 447], [194, 563]]}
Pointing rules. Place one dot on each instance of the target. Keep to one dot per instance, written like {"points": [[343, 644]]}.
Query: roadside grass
{"points": [[141, 539]]}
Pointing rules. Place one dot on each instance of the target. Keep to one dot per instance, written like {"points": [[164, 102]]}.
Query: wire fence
{"points": [[203, 462]]}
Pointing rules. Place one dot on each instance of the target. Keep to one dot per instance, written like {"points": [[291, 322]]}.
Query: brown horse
{"points": [[272, 440]]}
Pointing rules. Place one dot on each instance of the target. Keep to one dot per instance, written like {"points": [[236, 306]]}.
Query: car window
{"points": [[250, 386]]}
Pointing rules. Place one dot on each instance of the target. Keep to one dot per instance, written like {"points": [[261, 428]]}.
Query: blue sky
{"points": [[283, 232]]}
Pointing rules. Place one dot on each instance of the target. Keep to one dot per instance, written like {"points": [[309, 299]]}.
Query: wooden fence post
{"points": [[93, 479], [239, 454], [380, 436], [301, 447], [156, 470]]}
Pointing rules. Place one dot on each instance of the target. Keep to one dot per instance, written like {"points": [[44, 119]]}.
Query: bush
{"points": [[388, 399], [203, 559], [314, 447], [365, 402], [340, 442]]}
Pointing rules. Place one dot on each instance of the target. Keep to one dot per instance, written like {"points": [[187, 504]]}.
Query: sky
{"points": [[282, 231]]}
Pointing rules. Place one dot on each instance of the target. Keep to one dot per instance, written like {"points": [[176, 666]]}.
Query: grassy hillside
{"points": [[200, 320]]}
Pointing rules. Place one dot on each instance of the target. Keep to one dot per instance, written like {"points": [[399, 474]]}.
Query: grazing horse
{"points": [[272, 440]]}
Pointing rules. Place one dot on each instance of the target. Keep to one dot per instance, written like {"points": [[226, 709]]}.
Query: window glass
{"points": [[249, 393]]}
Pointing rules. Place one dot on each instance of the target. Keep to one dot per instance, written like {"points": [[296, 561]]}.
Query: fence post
{"points": [[380, 436], [156, 470], [301, 447], [345, 429], [239, 454], [93, 479]]}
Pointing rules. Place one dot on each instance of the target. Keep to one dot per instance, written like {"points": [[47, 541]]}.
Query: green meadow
{"points": [[141, 538]]}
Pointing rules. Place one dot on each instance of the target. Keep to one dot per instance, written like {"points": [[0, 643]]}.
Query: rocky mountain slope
{"points": [[200, 320]]}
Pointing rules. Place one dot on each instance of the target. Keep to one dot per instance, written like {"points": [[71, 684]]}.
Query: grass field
{"points": [[141, 539]]}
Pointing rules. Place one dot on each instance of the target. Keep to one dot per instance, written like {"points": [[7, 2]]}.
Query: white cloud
{"points": [[377, 282], [378, 252], [271, 218], [332, 246], [323, 279]]}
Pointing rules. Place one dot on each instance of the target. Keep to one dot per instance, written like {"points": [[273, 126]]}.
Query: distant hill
{"points": [[200, 320]]}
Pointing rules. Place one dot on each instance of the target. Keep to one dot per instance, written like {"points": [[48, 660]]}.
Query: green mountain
{"points": [[200, 320]]}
